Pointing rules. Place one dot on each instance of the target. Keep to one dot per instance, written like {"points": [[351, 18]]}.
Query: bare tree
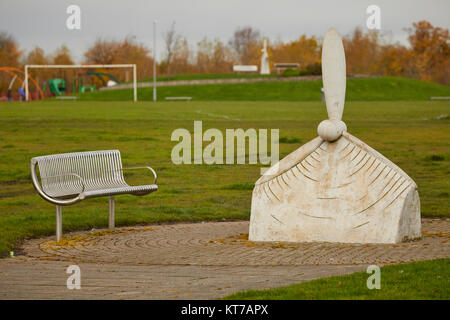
{"points": [[241, 40], [171, 37], [102, 52], [5, 39]]}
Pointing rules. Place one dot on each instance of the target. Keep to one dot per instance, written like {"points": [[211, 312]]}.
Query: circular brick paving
{"points": [[226, 244]]}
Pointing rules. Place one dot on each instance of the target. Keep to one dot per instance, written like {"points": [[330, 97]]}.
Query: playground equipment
{"points": [[14, 72], [86, 87], [80, 66], [82, 88], [100, 76], [57, 86]]}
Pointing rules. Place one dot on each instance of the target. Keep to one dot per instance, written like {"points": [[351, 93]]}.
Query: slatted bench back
{"points": [[98, 169]]}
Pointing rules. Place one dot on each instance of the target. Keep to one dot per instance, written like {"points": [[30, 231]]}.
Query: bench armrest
{"points": [[149, 168], [41, 192]]}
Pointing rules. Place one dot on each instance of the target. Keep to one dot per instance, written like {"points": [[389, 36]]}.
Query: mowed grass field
{"points": [[413, 134]]}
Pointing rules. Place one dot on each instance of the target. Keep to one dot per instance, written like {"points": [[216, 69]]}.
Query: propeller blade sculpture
{"points": [[335, 188]]}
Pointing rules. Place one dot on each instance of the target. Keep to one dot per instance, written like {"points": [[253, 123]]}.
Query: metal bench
{"points": [[281, 67], [66, 98], [68, 178], [178, 98], [245, 68]]}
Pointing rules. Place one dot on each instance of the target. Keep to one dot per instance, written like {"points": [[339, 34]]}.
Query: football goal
{"points": [[81, 66]]}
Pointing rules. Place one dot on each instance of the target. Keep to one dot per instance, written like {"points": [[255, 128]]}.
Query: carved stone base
{"points": [[341, 191]]}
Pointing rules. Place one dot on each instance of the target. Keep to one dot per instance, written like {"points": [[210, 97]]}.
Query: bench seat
{"points": [[135, 190], [65, 179]]}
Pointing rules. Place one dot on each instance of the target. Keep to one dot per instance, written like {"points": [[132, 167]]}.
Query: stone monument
{"points": [[335, 188], [265, 68]]}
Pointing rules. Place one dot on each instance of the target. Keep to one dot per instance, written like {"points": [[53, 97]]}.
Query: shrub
{"points": [[314, 69], [294, 73]]}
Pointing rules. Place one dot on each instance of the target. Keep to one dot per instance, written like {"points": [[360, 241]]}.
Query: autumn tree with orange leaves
{"points": [[10, 55], [430, 52], [127, 51], [304, 51], [427, 57], [361, 52]]}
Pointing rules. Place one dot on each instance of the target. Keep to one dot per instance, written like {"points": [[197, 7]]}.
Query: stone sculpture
{"points": [[335, 188], [265, 68]]}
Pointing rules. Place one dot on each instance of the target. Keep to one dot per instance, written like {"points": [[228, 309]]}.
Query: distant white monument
{"points": [[335, 188], [265, 67]]}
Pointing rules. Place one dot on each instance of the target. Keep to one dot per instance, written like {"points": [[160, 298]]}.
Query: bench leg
{"points": [[112, 206], [58, 223]]}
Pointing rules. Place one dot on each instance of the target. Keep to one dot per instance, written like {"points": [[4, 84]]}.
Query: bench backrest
{"points": [[60, 173]]}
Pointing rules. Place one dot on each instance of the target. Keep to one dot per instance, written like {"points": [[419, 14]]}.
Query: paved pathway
{"points": [[222, 81], [192, 261], [210, 81]]}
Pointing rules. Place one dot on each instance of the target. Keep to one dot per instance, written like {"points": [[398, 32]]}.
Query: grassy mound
{"points": [[179, 77], [358, 89]]}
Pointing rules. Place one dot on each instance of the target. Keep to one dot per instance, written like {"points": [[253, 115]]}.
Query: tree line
{"points": [[427, 57]]}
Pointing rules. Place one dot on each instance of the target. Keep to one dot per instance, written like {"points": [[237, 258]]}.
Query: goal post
{"points": [[81, 66]]}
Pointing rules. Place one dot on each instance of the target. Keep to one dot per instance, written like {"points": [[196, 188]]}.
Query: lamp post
{"points": [[154, 60]]}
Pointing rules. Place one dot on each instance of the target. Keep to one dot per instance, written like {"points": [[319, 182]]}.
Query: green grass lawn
{"points": [[358, 89], [417, 280], [413, 134]]}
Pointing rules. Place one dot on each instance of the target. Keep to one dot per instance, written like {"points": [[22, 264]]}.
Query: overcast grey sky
{"points": [[43, 22]]}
